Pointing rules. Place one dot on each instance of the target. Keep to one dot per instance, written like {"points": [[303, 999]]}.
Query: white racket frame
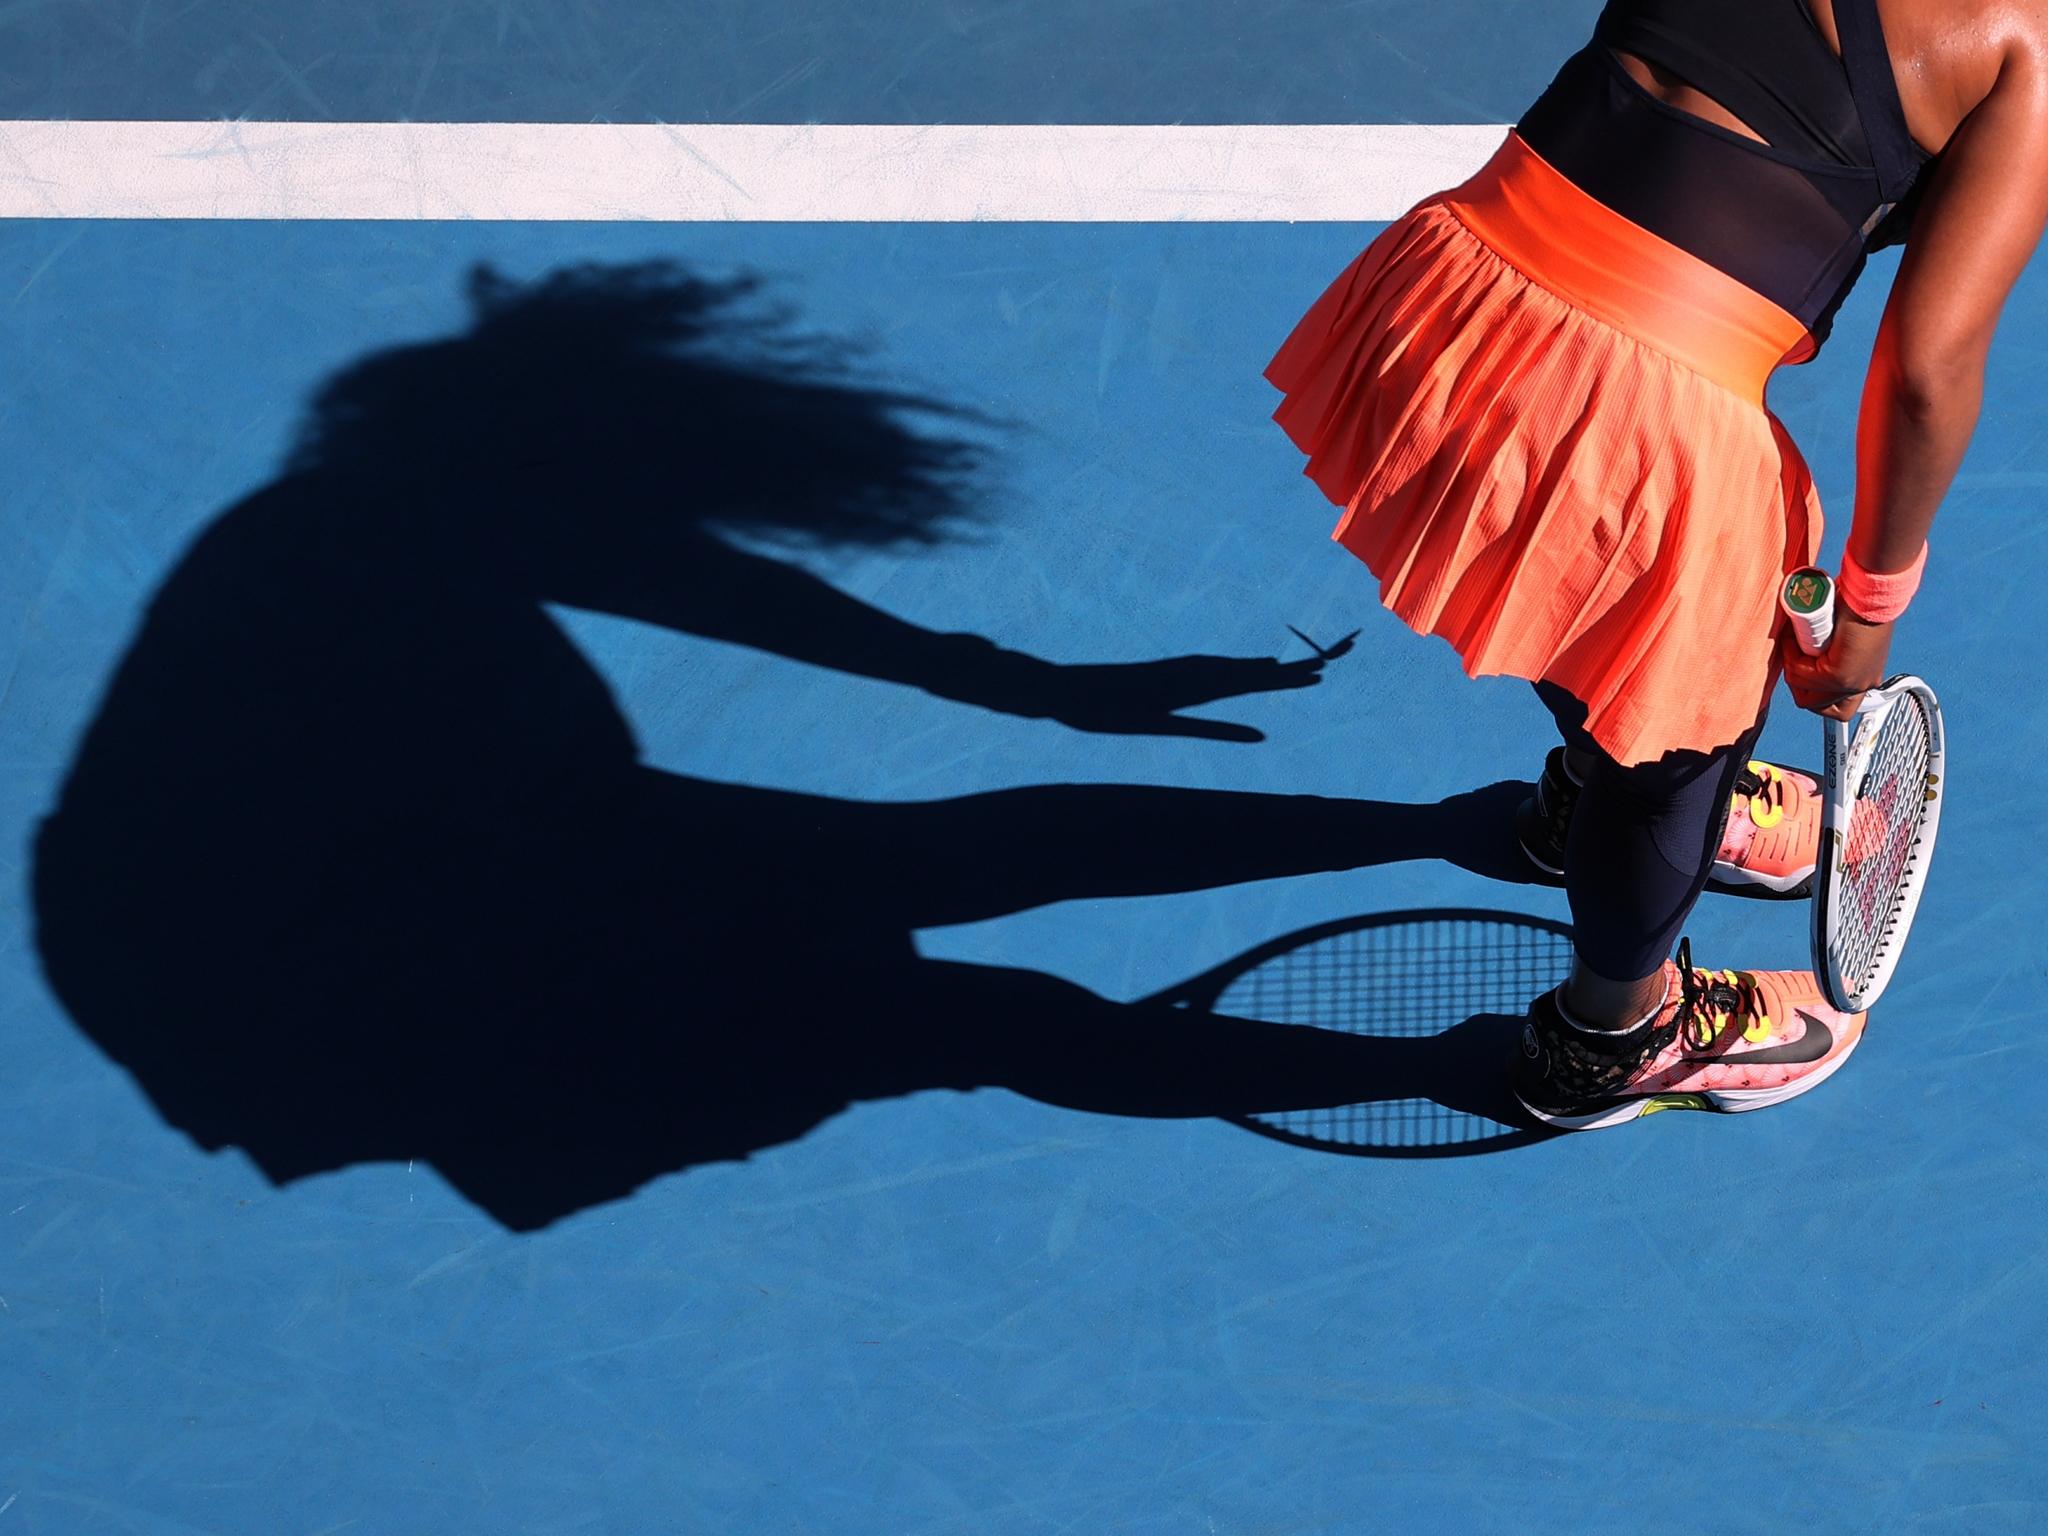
{"points": [[1850, 744]]}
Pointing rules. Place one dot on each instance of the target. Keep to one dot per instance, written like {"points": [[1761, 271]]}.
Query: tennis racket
{"points": [[1442, 994], [1886, 776]]}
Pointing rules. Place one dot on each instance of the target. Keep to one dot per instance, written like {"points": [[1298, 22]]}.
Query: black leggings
{"points": [[1642, 843]]}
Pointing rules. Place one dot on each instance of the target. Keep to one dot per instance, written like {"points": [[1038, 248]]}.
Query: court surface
{"points": [[566, 1003]]}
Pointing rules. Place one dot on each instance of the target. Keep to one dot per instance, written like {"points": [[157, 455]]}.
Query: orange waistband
{"points": [[1639, 283]]}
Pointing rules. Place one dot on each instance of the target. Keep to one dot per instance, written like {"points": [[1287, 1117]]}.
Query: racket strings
{"points": [[1882, 843]]}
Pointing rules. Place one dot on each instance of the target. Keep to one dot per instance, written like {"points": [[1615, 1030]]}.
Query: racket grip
{"points": [[1808, 601]]}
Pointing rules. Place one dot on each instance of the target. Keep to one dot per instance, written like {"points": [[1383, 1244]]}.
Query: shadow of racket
{"points": [[1441, 992]]}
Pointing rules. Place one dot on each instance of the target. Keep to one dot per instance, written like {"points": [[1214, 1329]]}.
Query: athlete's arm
{"points": [[1982, 217]]}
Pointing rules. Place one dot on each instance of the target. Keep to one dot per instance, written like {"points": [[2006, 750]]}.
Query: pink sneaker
{"points": [[1768, 847], [1724, 1040], [1772, 839]]}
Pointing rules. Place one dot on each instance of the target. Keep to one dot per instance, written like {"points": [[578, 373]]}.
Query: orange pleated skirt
{"points": [[1546, 428]]}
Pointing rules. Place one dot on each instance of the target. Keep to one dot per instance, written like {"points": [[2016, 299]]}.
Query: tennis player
{"points": [[1539, 399]]}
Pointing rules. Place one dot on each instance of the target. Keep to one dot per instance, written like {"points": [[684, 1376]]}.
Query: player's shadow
{"points": [[357, 860]]}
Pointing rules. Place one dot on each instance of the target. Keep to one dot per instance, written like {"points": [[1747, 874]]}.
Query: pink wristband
{"points": [[1875, 598]]}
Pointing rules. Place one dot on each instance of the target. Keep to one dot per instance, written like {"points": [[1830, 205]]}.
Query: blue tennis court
{"points": [[646, 806]]}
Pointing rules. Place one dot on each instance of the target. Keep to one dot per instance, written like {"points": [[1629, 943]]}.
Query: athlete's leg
{"points": [[1641, 845], [1770, 838], [1630, 1032]]}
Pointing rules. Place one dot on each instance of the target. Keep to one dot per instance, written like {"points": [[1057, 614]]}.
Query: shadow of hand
{"points": [[1140, 698]]}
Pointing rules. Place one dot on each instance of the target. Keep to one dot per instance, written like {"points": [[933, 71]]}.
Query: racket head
{"points": [[1446, 989], [1887, 775]]}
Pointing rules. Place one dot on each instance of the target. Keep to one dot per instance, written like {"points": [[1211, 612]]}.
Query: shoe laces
{"points": [[1768, 791], [1710, 1001]]}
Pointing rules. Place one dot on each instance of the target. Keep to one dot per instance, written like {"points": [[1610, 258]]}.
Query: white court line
{"points": [[726, 171]]}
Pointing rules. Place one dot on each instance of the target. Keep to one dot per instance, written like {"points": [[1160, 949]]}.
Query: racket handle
{"points": [[1808, 601]]}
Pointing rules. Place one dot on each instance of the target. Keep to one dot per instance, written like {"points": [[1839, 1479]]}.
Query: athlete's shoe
{"points": [[1723, 1040], [1768, 847], [1772, 840], [1545, 818]]}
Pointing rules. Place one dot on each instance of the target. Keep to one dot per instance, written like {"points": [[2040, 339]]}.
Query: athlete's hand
{"points": [[1834, 682]]}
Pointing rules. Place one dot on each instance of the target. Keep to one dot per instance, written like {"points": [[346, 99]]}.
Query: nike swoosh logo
{"points": [[1811, 1046]]}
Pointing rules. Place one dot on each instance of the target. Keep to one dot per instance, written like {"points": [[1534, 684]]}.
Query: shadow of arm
{"points": [[702, 586]]}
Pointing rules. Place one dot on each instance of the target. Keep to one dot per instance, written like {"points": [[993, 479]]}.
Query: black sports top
{"points": [[1792, 217]]}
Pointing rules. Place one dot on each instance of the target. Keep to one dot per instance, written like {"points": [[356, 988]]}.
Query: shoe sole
{"points": [[1733, 878], [1541, 863], [1724, 1101], [1525, 813]]}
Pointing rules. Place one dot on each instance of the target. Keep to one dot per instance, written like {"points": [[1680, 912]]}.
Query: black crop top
{"points": [[1792, 218]]}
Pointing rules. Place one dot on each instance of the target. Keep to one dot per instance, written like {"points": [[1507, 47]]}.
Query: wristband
{"points": [[1878, 599]]}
